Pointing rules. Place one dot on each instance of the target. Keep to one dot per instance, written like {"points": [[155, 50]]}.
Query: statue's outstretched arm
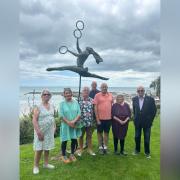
{"points": [[73, 53], [77, 45]]}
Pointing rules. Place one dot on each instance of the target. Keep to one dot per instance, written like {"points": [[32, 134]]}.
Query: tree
{"points": [[156, 84]]}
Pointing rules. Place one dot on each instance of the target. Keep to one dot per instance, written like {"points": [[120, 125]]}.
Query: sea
{"points": [[27, 100]]}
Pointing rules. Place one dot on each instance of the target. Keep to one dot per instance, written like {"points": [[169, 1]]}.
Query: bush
{"points": [[158, 109], [27, 129], [58, 124]]}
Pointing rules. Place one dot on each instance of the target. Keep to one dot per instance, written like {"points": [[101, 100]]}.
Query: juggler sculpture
{"points": [[81, 57]]}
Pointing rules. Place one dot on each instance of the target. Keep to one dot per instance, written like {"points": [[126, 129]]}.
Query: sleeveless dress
{"points": [[46, 125]]}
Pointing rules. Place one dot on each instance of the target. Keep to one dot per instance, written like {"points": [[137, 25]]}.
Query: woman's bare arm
{"points": [[117, 119], [77, 119], [77, 45], [35, 124]]}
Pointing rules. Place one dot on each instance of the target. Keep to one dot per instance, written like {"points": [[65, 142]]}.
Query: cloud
{"points": [[125, 33]]}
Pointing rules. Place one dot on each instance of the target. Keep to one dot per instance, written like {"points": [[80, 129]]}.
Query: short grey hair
{"points": [[140, 87], [104, 84], [120, 95], [46, 90], [86, 87]]}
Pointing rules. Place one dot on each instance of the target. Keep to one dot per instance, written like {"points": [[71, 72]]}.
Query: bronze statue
{"points": [[81, 56]]}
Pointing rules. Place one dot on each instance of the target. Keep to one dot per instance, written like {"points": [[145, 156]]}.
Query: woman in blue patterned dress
{"points": [[86, 105], [44, 128]]}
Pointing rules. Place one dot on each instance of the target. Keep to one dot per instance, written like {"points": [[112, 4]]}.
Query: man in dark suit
{"points": [[144, 110]]}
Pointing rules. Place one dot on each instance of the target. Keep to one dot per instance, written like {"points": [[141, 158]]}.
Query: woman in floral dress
{"points": [[86, 105], [44, 128]]}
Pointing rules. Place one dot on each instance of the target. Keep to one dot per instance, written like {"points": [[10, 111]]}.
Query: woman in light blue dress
{"points": [[70, 128], [44, 128]]}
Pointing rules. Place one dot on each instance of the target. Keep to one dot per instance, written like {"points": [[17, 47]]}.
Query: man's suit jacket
{"points": [[145, 116]]}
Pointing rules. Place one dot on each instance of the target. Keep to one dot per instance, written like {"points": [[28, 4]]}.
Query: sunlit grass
{"points": [[106, 167]]}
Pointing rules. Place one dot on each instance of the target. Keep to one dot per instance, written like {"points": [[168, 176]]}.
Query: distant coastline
{"points": [[30, 95]]}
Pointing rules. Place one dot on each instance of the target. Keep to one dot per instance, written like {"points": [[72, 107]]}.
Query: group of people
{"points": [[95, 109]]}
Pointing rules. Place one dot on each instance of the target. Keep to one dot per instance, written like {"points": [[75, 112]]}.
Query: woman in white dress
{"points": [[44, 128]]}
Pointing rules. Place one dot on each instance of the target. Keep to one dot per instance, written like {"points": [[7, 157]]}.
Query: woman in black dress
{"points": [[121, 114]]}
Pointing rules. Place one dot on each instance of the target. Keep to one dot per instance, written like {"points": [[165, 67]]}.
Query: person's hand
{"points": [[71, 124], [73, 121], [121, 122], [98, 122], [40, 136], [124, 122]]}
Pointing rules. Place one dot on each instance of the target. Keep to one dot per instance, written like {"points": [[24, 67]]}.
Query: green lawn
{"points": [[105, 167]]}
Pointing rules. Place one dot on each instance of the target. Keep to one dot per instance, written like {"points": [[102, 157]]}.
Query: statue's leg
{"points": [[79, 70], [71, 68], [97, 76], [86, 69]]}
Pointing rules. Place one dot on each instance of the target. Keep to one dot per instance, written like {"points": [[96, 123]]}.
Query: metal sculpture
{"points": [[82, 56]]}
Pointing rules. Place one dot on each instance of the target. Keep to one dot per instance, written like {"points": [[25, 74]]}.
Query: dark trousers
{"points": [[76, 145], [147, 133], [73, 146], [116, 144]]}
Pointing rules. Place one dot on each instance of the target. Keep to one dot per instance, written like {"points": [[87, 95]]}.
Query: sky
{"points": [[126, 34]]}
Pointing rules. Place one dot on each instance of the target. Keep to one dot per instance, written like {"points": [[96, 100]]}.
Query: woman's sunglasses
{"points": [[140, 90], [46, 94]]}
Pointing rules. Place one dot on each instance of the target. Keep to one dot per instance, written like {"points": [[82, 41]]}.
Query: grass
{"points": [[106, 167]]}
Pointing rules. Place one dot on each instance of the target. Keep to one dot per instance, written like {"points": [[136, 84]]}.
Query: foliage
{"points": [[156, 84], [27, 129], [58, 124]]}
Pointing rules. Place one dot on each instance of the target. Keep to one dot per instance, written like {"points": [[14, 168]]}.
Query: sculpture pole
{"points": [[79, 87]]}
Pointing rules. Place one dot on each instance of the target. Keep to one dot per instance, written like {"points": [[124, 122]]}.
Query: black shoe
{"points": [[106, 151], [101, 151], [148, 156], [116, 153], [123, 153], [135, 153]]}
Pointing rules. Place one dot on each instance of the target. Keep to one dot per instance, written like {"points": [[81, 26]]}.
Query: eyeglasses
{"points": [[46, 94], [140, 90]]}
